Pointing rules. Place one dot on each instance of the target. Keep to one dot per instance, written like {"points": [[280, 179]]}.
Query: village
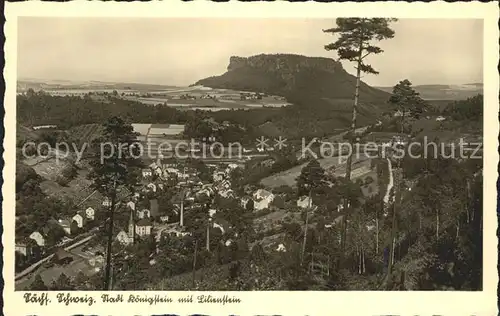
{"points": [[146, 218]]}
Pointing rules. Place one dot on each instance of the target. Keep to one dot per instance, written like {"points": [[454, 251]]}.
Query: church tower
{"points": [[131, 227]]}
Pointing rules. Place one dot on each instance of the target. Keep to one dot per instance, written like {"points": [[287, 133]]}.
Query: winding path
{"points": [[391, 182]]}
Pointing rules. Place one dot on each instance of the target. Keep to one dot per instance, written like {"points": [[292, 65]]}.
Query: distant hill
{"points": [[445, 92], [319, 88], [294, 77], [48, 84]]}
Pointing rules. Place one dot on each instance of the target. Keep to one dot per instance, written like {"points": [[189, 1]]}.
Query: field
{"points": [[289, 176], [203, 98], [86, 133], [76, 191]]}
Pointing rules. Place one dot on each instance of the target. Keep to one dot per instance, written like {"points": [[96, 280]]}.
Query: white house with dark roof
{"points": [[262, 199], [23, 247], [131, 205], [143, 227], [38, 238], [152, 187], [106, 202], [145, 213], [218, 176], [146, 173], [124, 238], [304, 202], [90, 213], [79, 219]]}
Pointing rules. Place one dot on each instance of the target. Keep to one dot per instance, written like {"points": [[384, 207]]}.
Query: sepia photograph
{"points": [[239, 160], [344, 156]]}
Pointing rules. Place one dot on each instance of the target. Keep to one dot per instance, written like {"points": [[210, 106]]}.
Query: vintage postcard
{"points": [[250, 158]]}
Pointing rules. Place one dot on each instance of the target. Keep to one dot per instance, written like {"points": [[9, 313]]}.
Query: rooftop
{"points": [[144, 222]]}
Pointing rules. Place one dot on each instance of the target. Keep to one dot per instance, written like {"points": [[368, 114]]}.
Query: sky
{"points": [[181, 51]]}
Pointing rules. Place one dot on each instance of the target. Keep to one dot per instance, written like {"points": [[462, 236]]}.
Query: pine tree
{"points": [[355, 43], [115, 167]]}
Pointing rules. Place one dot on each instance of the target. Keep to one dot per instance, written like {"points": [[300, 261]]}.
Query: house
{"points": [[78, 219], [226, 184], [244, 201], [231, 167], [38, 238], [106, 202], [221, 224], [97, 261], [23, 248], [145, 213], [152, 187], [90, 213], [131, 205], [143, 227], [66, 225], [204, 192], [281, 248], [304, 202], [262, 199], [172, 170], [226, 193], [146, 173], [124, 238], [218, 176], [400, 113]]}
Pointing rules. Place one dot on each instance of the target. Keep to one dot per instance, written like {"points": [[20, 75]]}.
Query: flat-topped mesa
{"points": [[284, 62], [300, 79]]}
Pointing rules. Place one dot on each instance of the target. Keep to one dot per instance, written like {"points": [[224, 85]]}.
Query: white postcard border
{"points": [[268, 303]]}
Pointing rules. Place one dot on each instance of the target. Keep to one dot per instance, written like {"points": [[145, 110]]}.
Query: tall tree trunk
{"points": [[194, 263], [358, 259], [393, 233], [305, 230], [467, 203], [181, 219], [208, 237], [107, 273], [393, 250], [352, 141], [377, 224], [364, 264], [112, 279], [437, 223]]}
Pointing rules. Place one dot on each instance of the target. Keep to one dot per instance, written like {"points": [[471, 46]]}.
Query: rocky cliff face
{"points": [[284, 63], [320, 89], [302, 80], [283, 66]]}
